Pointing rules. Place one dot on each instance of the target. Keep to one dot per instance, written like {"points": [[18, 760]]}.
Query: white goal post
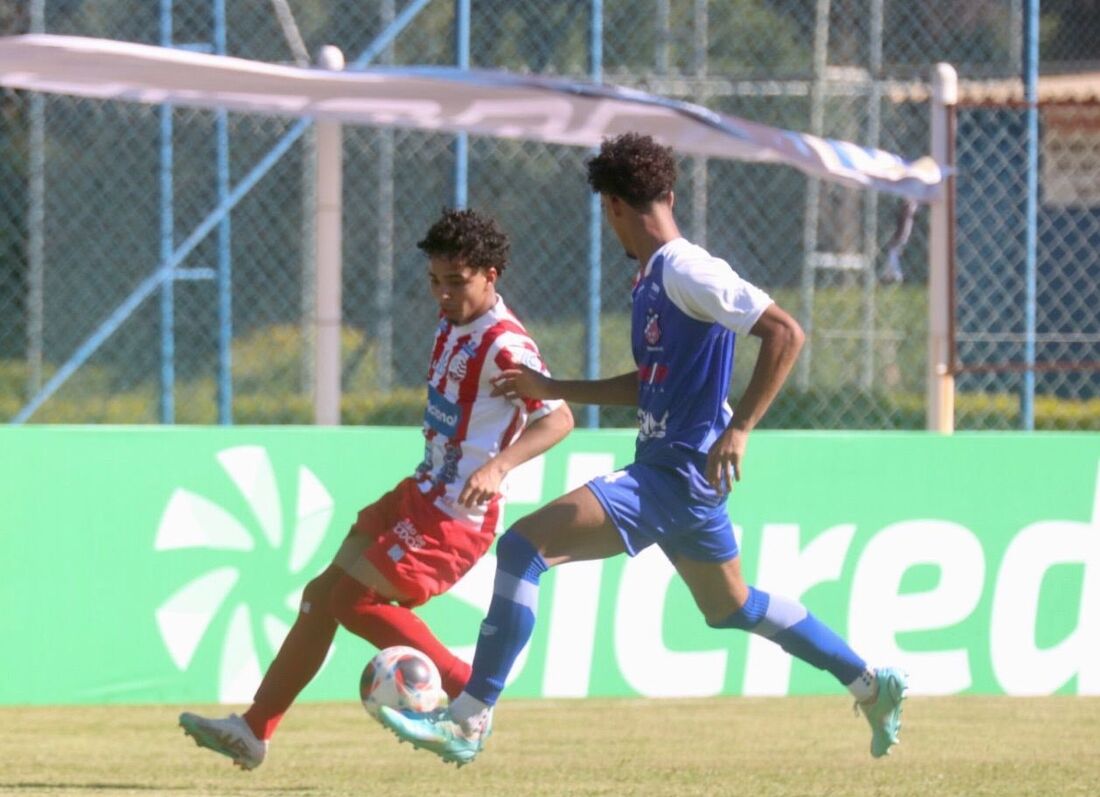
{"points": [[940, 379]]}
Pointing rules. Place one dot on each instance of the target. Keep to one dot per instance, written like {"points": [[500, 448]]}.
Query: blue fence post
{"points": [[462, 144], [225, 261], [1031, 98], [592, 328], [167, 234]]}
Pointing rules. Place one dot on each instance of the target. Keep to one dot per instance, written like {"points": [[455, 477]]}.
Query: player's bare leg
{"points": [[573, 528], [726, 601]]}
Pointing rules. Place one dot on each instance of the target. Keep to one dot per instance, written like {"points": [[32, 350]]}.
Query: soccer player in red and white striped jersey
{"points": [[420, 538]]}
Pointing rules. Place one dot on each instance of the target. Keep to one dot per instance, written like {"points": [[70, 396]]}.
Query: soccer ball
{"points": [[402, 678]]}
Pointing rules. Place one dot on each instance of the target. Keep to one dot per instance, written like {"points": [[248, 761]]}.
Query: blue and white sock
{"points": [[509, 623], [790, 625]]}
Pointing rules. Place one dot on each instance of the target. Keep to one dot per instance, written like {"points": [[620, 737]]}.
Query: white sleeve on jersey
{"points": [[510, 350], [707, 289]]}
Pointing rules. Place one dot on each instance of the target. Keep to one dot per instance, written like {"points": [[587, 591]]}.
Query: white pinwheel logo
{"points": [[191, 521]]}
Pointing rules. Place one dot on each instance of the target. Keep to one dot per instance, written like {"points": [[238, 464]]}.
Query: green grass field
{"points": [[754, 747]]}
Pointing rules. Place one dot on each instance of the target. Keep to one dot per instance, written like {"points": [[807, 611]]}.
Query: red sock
{"points": [[383, 624], [299, 658]]}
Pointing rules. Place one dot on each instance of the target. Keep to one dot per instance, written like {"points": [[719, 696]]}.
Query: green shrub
{"points": [[268, 384]]}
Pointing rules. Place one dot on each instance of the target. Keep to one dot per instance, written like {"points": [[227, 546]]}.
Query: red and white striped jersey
{"points": [[464, 426]]}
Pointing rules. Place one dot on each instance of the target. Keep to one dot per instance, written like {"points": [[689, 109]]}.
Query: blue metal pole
{"points": [[1031, 97], [592, 328], [167, 233], [166, 271], [462, 144], [225, 263], [388, 34], [36, 221]]}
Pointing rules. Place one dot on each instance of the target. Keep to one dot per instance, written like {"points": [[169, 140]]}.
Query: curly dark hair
{"points": [[468, 237], [634, 168]]}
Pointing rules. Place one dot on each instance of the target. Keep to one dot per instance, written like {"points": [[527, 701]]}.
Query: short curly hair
{"points": [[634, 168], [468, 237]]}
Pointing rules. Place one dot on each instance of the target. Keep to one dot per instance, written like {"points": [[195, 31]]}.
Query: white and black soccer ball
{"points": [[402, 678]]}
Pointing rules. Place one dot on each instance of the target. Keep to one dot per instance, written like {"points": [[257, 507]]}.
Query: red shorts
{"points": [[417, 547]]}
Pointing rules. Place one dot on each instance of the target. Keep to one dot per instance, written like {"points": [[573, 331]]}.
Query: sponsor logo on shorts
{"points": [[408, 534], [396, 553]]}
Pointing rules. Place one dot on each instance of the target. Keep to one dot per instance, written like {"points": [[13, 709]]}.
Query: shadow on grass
{"points": [[49, 787], [91, 786]]}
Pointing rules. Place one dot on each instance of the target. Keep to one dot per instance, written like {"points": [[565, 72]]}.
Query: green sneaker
{"points": [[436, 732], [884, 712]]}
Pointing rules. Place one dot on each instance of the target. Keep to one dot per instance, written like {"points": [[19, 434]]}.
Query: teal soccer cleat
{"points": [[436, 732], [884, 712]]}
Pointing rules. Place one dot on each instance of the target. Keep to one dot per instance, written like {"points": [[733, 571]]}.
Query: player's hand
{"points": [[521, 382], [482, 486], [724, 459]]}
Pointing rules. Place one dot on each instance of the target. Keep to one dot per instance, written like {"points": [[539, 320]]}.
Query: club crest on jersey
{"points": [[531, 360], [460, 362], [652, 331]]}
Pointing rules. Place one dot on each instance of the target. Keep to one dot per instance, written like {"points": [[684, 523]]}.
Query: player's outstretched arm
{"points": [[781, 339], [524, 382], [539, 436]]}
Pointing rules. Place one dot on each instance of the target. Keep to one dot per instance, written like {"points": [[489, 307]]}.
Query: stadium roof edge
{"points": [[1083, 88]]}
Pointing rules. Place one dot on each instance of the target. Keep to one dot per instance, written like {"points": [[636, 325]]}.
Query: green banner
{"points": [[165, 564]]}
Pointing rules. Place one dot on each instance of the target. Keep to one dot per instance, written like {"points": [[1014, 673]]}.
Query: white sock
{"points": [[863, 687], [469, 712]]}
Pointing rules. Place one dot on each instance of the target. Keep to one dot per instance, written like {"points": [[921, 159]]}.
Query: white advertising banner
{"points": [[551, 110]]}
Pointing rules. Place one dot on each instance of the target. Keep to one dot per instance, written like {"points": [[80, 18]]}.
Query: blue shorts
{"points": [[654, 504]]}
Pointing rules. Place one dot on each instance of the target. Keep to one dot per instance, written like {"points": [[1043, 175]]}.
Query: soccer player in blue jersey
{"points": [[688, 308]]}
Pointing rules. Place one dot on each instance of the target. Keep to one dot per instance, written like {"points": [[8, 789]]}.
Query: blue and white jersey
{"points": [[688, 309]]}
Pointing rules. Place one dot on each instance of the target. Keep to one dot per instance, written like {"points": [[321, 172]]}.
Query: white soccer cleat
{"points": [[230, 736]]}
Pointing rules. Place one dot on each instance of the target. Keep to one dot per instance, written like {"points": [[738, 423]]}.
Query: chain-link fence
{"points": [[1027, 320], [95, 195]]}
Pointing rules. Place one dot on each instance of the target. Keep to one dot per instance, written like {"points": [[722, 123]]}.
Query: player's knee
{"points": [[744, 612], [527, 527], [518, 556], [349, 599], [316, 595], [734, 619]]}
